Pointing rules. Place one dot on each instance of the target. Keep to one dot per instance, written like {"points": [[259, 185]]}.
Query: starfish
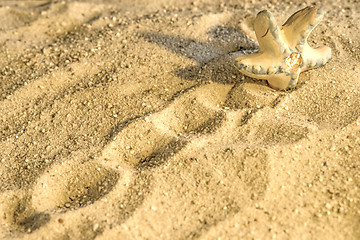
{"points": [[284, 52]]}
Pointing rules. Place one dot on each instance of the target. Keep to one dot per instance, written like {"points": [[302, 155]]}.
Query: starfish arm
{"points": [[315, 57], [258, 64], [283, 81], [267, 33], [298, 27], [294, 77]]}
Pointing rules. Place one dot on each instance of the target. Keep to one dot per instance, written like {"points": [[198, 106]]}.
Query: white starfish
{"points": [[284, 52]]}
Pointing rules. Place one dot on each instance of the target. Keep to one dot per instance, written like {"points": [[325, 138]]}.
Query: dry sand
{"points": [[127, 120]]}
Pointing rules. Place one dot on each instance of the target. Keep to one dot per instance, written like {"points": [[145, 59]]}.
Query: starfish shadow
{"points": [[213, 61]]}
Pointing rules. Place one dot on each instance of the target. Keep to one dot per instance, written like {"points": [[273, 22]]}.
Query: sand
{"points": [[127, 120]]}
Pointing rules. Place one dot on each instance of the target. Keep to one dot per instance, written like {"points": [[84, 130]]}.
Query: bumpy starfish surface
{"points": [[284, 52]]}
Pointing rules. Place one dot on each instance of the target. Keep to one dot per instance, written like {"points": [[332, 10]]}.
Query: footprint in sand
{"points": [[70, 186], [186, 116]]}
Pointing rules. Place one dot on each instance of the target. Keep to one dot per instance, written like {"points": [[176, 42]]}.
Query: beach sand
{"points": [[127, 120]]}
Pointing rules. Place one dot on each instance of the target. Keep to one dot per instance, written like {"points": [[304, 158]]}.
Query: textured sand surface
{"points": [[127, 120]]}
